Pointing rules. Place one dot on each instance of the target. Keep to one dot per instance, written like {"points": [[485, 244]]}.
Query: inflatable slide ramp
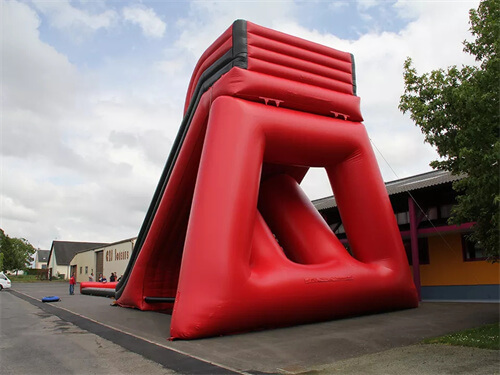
{"points": [[230, 242]]}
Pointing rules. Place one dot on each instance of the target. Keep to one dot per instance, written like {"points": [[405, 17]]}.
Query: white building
{"points": [[41, 257], [103, 259], [61, 254]]}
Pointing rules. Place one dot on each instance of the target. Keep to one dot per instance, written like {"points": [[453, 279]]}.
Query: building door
{"points": [[99, 263], [73, 271]]}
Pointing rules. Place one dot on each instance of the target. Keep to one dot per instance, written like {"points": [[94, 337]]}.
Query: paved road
{"points": [[142, 348], [33, 341], [342, 346]]}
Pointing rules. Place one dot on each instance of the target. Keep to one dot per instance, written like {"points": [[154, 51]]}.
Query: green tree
{"points": [[458, 112], [16, 253]]}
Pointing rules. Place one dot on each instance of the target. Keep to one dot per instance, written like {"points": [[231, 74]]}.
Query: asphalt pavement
{"points": [[384, 343], [34, 341]]}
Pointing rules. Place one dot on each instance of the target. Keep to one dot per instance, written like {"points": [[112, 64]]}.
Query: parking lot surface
{"points": [[341, 346]]}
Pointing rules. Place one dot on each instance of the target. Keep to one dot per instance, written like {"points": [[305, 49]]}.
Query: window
{"points": [[423, 250], [403, 218], [445, 211], [432, 213], [471, 250], [86, 270], [80, 270]]}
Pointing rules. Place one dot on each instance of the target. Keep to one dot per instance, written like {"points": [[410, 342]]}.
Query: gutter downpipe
{"points": [[414, 245]]}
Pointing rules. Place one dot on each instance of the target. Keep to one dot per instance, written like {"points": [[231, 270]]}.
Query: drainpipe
{"points": [[414, 245]]}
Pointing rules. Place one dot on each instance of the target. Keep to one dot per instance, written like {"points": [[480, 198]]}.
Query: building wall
{"points": [[85, 264], [57, 269], [447, 266], [61, 270], [449, 277], [52, 261], [115, 259], [40, 265]]}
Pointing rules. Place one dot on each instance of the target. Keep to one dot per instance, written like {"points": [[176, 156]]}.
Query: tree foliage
{"points": [[457, 110], [15, 253]]}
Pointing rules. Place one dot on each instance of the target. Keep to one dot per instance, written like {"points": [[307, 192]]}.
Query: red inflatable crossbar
{"points": [[97, 285], [230, 242]]}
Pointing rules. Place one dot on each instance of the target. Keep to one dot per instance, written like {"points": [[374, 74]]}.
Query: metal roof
{"points": [[65, 250], [131, 239], [42, 255], [402, 185]]}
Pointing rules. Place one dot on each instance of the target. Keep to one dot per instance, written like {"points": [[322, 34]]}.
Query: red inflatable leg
{"points": [[235, 276]]}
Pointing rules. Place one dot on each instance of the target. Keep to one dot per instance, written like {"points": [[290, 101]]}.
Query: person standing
{"points": [[91, 277], [72, 282]]}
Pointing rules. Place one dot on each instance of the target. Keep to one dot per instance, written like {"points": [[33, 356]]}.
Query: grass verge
{"points": [[484, 337], [29, 279]]}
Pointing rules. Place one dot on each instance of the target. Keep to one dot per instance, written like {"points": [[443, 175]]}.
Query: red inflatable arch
{"points": [[230, 242]]}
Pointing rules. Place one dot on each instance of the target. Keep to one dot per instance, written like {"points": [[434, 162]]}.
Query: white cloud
{"points": [[147, 19], [14, 210], [63, 15], [337, 5], [366, 4], [82, 150], [38, 87], [316, 184], [435, 37], [63, 172], [207, 20], [379, 58]]}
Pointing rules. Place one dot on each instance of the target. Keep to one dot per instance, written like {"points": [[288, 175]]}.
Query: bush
{"points": [[40, 274], [23, 278]]}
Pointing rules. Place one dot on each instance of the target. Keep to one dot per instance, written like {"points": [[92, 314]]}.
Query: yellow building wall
{"points": [[84, 259], [447, 267], [61, 270], [116, 258]]}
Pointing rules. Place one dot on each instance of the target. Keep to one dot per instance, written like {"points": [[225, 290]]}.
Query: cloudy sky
{"points": [[93, 91]]}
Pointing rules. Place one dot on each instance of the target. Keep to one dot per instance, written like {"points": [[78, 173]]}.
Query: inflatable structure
{"points": [[96, 288], [51, 299], [230, 242]]}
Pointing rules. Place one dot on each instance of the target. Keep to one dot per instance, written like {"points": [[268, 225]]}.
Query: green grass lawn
{"points": [[484, 337]]}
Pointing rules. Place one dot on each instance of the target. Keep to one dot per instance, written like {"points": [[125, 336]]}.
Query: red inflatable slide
{"points": [[230, 242]]}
